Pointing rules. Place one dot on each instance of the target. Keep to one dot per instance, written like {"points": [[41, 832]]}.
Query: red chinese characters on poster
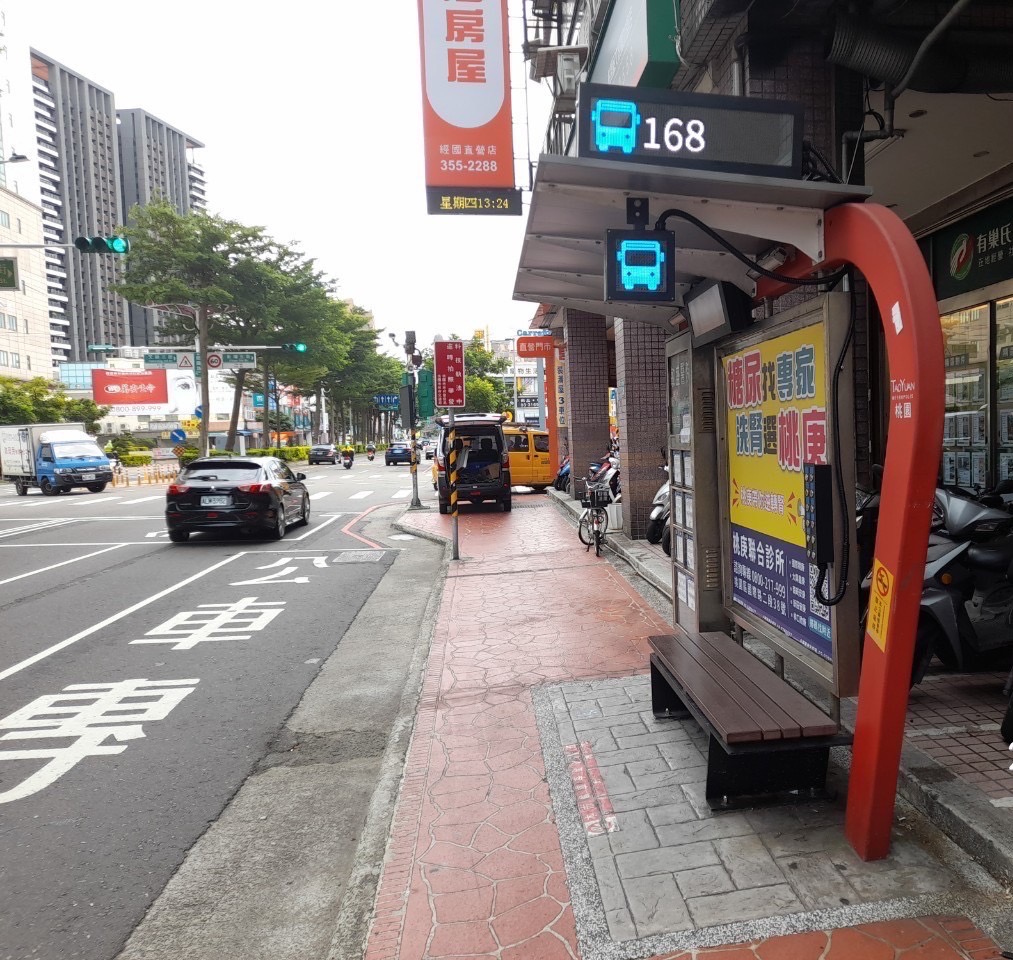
{"points": [[117, 388], [466, 93], [449, 371]]}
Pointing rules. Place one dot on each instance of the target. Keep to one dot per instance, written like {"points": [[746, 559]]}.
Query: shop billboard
{"points": [[118, 388], [466, 113], [777, 420]]}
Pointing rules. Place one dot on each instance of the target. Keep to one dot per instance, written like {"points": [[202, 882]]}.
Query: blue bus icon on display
{"points": [[615, 125], [640, 263]]}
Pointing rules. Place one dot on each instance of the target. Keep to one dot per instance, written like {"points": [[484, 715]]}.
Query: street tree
{"points": [[45, 401]]}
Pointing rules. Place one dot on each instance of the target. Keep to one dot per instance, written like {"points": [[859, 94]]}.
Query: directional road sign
{"points": [[177, 436], [237, 359], [169, 360]]}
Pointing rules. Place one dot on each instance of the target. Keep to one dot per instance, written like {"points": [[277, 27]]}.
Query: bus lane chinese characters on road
{"points": [[95, 719]]}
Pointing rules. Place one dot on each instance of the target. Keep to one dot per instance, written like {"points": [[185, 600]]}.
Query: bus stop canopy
{"points": [[575, 200]]}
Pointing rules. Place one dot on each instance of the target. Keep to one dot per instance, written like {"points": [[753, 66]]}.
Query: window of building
{"points": [[1004, 387], [5, 218], [16, 360], [3, 358], [966, 430], [12, 322]]}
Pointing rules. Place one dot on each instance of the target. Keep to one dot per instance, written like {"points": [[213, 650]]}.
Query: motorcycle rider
{"points": [[370, 450], [347, 450]]}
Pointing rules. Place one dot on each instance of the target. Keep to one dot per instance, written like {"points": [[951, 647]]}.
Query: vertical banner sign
{"points": [[449, 369], [466, 107], [777, 421]]}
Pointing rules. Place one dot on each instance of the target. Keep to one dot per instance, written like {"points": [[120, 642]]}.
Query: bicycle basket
{"points": [[596, 497]]}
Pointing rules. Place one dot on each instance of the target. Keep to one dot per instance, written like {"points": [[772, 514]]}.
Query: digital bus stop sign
{"points": [[701, 130], [639, 266]]}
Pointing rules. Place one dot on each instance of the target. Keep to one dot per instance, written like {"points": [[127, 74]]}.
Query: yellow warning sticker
{"points": [[880, 603]]}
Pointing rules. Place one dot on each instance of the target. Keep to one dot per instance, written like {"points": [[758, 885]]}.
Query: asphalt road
{"points": [[141, 683]]}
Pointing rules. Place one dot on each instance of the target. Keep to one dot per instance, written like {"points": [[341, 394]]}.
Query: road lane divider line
{"points": [[128, 503], [319, 526], [400, 493], [361, 495], [347, 528], [37, 526], [62, 563], [56, 647], [321, 494], [88, 501]]}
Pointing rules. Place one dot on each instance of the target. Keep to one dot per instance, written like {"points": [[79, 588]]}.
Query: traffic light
{"points": [[297, 347], [103, 244], [426, 399]]}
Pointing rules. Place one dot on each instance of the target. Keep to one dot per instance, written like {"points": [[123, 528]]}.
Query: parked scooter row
{"points": [[605, 468], [966, 610]]}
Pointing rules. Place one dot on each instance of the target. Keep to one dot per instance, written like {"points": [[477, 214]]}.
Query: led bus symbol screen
{"points": [[615, 125], [640, 264]]}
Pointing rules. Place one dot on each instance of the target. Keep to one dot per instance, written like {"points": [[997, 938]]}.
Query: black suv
{"points": [[483, 463]]}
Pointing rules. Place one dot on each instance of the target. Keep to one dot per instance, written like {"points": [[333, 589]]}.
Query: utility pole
{"points": [[205, 387]]}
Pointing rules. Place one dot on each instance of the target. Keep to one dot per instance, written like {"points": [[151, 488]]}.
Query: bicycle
{"points": [[592, 526]]}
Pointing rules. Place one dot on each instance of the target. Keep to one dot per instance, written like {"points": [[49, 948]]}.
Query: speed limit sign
{"points": [[214, 361]]}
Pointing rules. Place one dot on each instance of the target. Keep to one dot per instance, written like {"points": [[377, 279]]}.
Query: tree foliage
{"points": [[43, 401]]}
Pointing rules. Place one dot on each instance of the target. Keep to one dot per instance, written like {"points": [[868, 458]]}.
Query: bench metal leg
{"points": [[743, 777], [665, 702]]}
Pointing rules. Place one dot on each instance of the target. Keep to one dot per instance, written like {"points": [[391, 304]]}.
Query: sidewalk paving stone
{"points": [[515, 837]]}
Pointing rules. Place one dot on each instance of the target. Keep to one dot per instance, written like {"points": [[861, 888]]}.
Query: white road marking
{"points": [[142, 500], [33, 527], [53, 566], [56, 647], [88, 501], [321, 494], [361, 495], [400, 493]]}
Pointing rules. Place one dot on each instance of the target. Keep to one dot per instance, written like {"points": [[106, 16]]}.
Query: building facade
{"points": [[156, 161], [80, 179]]}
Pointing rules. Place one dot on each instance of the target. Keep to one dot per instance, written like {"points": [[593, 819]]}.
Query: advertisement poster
{"points": [[949, 468], [119, 388], [776, 422]]}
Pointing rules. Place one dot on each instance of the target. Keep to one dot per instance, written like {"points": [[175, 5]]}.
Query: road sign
{"points": [[177, 436], [239, 360], [179, 449], [9, 274], [449, 365], [101, 347], [174, 360], [387, 401], [199, 413], [214, 361]]}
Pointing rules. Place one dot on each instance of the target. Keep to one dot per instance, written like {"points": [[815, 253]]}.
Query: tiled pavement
{"points": [[518, 836]]}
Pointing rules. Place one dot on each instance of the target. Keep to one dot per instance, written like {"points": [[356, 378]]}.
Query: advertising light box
{"points": [[706, 131]]}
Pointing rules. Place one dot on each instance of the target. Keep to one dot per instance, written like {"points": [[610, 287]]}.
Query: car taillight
{"points": [[441, 467], [505, 459], [175, 489], [255, 487]]}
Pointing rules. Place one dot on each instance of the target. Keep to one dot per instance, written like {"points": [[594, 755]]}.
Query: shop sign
{"points": [[975, 252], [776, 422], [466, 117], [119, 388], [448, 369], [699, 130], [561, 392], [639, 45]]}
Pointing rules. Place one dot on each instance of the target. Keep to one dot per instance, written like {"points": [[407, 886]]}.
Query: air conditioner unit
{"points": [[568, 73]]}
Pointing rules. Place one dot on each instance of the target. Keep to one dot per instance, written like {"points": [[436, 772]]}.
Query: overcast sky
{"points": [[311, 117]]}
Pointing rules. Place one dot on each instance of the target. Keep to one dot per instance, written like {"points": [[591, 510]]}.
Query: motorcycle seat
{"points": [[991, 556]]}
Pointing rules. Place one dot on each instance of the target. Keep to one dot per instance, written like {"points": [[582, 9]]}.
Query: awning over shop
{"points": [[575, 201]]}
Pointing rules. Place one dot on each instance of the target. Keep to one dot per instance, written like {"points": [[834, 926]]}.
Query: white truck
{"points": [[54, 457]]}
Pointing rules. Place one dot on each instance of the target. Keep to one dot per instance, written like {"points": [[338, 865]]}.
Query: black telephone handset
{"points": [[819, 513]]}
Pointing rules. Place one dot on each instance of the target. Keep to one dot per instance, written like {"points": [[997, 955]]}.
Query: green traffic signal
{"points": [[115, 244], [297, 347]]}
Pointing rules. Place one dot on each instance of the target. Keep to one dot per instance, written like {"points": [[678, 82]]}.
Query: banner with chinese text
{"points": [[466, 113], [776, 421], [118, 388]]}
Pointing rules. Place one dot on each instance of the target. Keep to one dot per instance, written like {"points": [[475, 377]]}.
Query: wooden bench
{"points": [[765, 737]]}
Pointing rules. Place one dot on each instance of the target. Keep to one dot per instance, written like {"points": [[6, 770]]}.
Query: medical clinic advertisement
{"points": [[776, 408]]}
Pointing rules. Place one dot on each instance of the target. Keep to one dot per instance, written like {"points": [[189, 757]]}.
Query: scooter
{"points": [[661, 509], [562, 481], [346, 461], [370, 454]]}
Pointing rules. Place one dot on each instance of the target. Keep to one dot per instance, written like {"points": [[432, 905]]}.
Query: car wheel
{"points": [[444, 508], [96, 487], [304, 514], [179, 536], [21, 488], [48, 490], [507, 505], [278, 530]]}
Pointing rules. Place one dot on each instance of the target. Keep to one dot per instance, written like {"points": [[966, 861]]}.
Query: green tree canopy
{"points": [[44, 401]]}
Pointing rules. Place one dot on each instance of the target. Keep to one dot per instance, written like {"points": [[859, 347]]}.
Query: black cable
{"points": [[739, 255], [825, 163], [842, 581]]}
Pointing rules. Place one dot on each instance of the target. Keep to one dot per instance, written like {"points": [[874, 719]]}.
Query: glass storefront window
{"points": [[1004, 388], [966, 431]]}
